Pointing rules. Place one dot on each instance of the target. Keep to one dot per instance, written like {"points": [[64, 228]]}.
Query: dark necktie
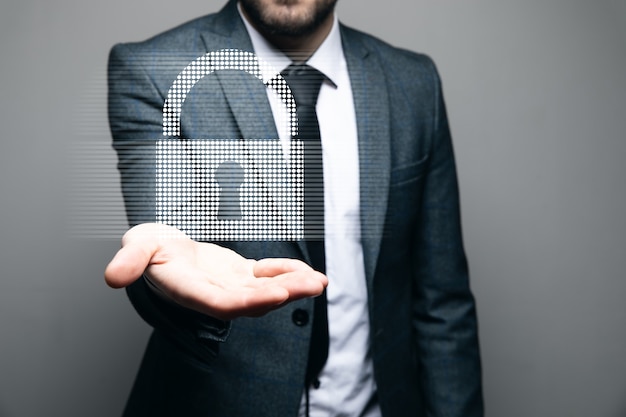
{"points": [[304, 82]]}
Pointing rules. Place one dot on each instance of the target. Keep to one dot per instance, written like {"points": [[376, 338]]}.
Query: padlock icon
{"points": [[229, 189]]}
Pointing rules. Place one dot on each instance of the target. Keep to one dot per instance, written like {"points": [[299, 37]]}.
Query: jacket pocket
{"points": [[408, 174]]}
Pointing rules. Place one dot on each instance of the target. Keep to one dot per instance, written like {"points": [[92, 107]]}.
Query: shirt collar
{"points": [[327, 59]]}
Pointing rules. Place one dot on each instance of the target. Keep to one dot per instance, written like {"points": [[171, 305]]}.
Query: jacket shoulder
{"points": [[184, 37], [387, 53], [192, 36]]}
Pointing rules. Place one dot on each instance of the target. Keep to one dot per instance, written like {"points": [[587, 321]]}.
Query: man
{"points": [[233, 335]]}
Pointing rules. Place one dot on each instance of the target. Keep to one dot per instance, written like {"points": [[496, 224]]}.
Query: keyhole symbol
{"points": [[229, 176]]}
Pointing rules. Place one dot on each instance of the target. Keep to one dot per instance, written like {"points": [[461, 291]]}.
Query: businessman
{"points": [[253, 328]]}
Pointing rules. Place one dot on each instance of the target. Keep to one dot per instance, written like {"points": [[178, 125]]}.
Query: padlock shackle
{"points": [[224, 59]]}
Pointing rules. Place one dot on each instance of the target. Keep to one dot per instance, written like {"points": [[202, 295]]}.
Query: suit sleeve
{"points": [[135, 106], [444, 308]]}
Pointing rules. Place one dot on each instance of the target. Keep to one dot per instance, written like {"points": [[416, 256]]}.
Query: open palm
{"points": [[209, 278]]}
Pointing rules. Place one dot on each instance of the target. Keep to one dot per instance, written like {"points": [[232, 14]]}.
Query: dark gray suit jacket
{"points": [[423, 322]]}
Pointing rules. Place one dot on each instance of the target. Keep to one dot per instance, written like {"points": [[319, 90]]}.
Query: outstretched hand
{"points": [[209, 278]]}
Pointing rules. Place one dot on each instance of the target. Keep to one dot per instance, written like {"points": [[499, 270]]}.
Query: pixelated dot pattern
{"points": [[271, 197], [225, 59]]}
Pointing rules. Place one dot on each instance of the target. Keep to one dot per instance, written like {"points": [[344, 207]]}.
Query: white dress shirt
{"points": [[347, 383]]}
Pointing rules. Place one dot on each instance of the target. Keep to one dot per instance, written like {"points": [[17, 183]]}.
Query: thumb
{"points": [[126, 266], [139, 245]]}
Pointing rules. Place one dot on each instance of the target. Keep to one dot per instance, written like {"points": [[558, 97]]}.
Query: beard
{"points": [[287, 17]]}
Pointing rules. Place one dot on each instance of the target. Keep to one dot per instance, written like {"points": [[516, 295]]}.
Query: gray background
{"points": [[536, 95]]}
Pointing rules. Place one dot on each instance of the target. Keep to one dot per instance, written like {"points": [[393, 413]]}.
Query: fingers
{"points": [[295, 276], [303, 285], [270, 267]]}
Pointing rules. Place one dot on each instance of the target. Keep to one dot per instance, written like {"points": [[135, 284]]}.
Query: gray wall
{"points": [[537, 100]]}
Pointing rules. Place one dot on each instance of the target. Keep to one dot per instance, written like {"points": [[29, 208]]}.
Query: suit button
{"points": [[300, 317]]}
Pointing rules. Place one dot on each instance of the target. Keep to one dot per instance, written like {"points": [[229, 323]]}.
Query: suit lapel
{"points": [[246, 95], [371, 104]]}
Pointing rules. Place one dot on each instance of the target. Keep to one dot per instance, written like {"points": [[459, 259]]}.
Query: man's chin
{"points": [[287, 17]]}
